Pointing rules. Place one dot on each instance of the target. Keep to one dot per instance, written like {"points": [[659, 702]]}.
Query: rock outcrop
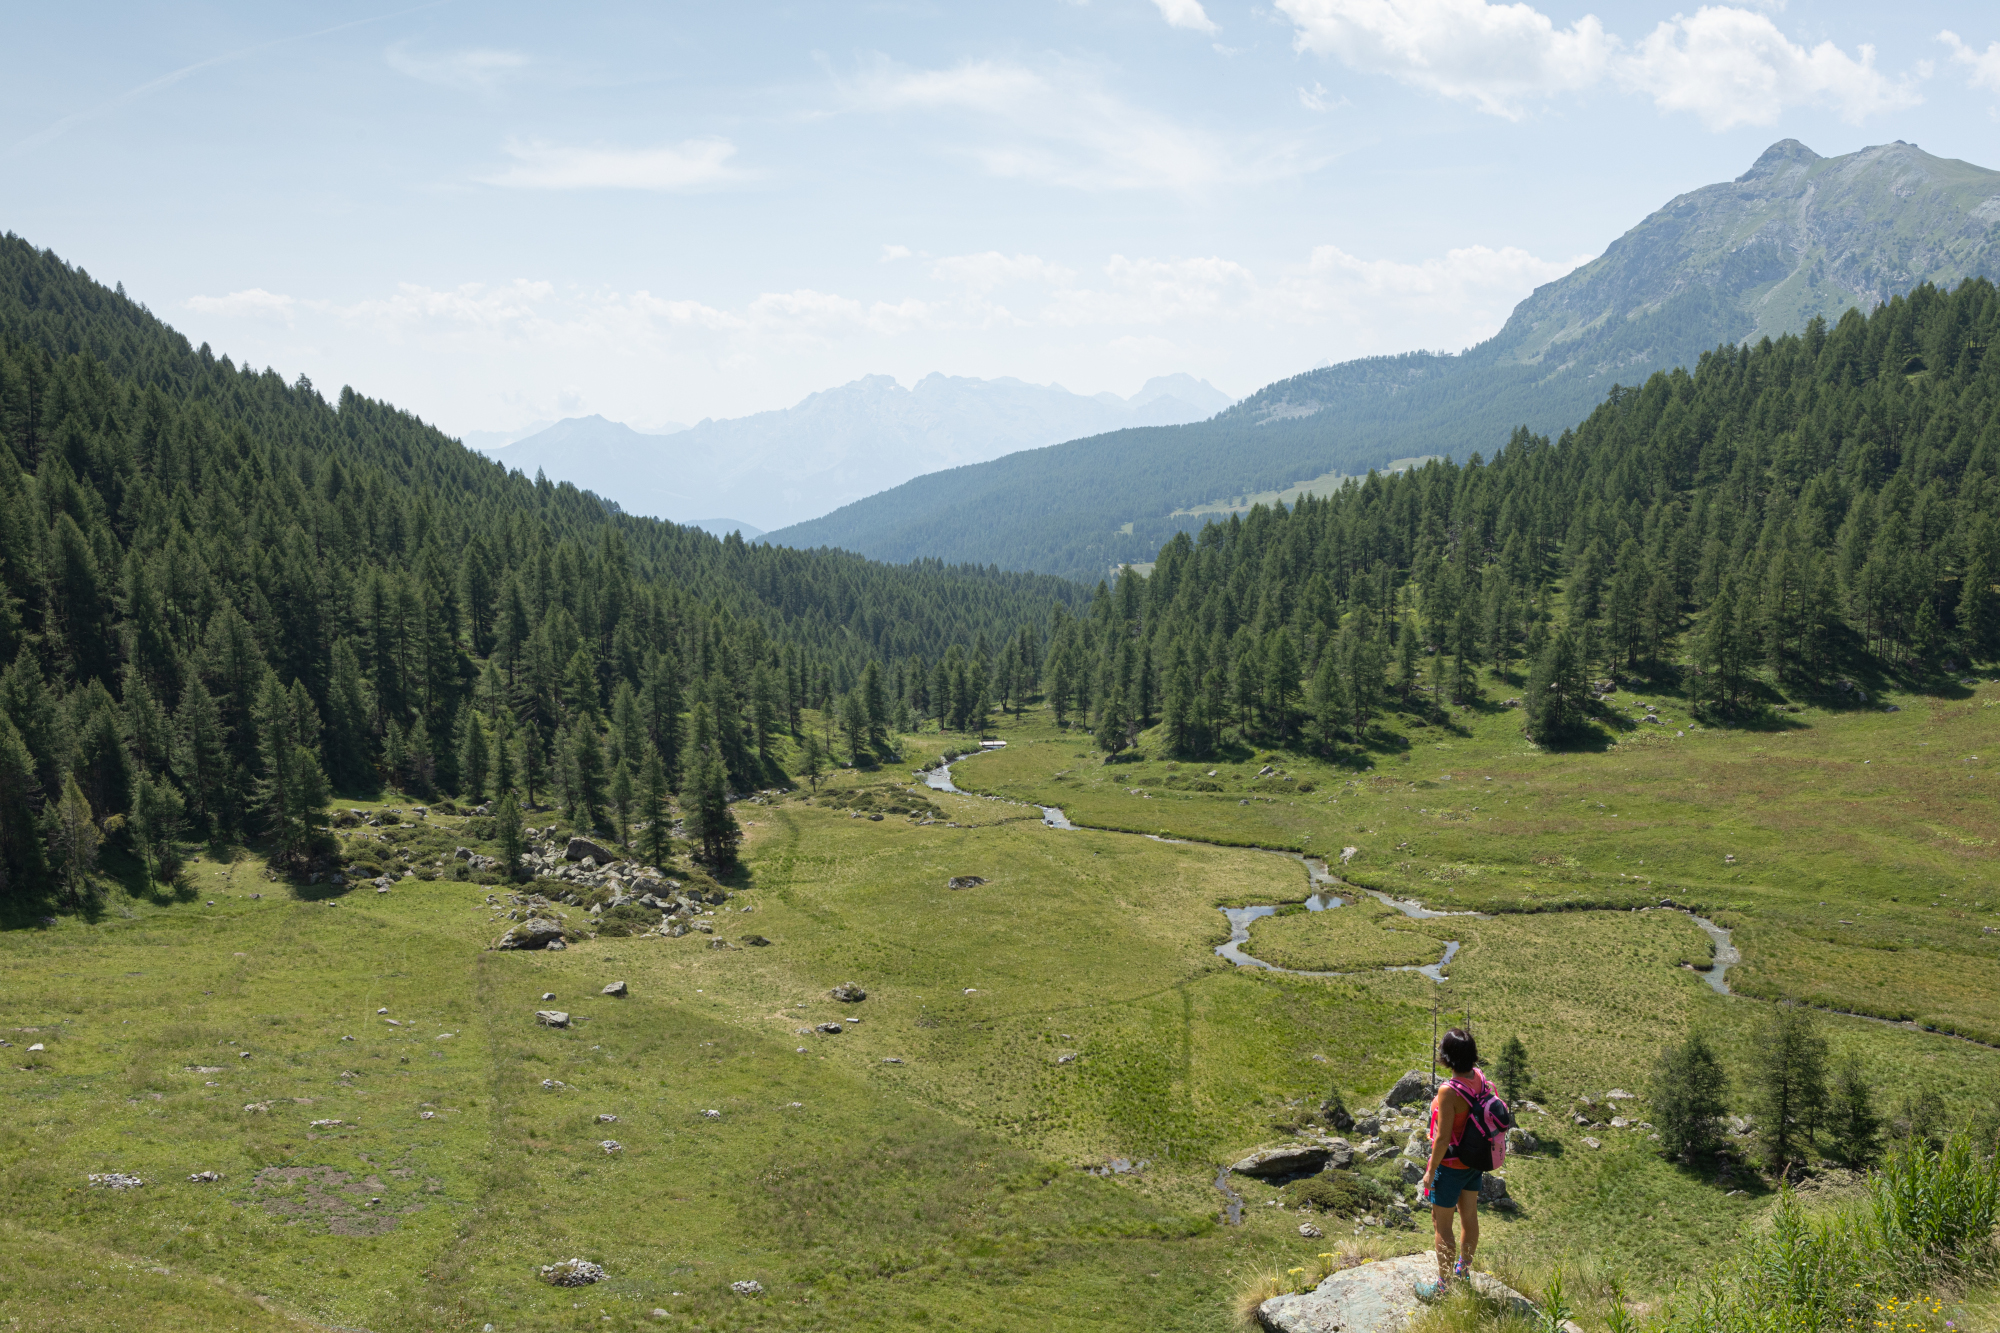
{"points": [[1292, 1159], [1378, 1298]]}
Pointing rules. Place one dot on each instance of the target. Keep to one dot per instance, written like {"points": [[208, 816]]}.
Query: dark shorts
{"points": [[1450, 1182]]}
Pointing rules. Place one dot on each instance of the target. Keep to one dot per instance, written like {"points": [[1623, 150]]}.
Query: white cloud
{"points": [[1063, 127], [1732, 67], [983, 273], [1185, 14], [476, 70], [252, 303], [1985, 64], [1727, 65], [1499, 57], [691, 164], [892, 252]]}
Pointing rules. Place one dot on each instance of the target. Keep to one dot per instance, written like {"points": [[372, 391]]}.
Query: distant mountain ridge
{"points": [[835, 446], [1796, 236]]}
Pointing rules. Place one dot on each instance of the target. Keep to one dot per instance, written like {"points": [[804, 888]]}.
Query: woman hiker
{"points": [[1450, 1186]]}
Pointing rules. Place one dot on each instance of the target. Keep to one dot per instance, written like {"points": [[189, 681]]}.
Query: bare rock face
{"points": [[1412, 1087], [1293, 1159]]}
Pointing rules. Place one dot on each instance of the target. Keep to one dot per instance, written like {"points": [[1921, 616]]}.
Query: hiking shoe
{"points": [[1428, 1290], [1459, 1270]]}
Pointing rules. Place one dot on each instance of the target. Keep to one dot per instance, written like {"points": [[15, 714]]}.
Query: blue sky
{"points": [[494, 214]]}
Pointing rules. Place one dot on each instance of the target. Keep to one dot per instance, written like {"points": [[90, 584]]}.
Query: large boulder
{"points": [[1380, 1298], [537, 932], [1340, 1153], [848, 993], [1493, 1190], [1412, 1087], [579, 848], [1293, 1159]]}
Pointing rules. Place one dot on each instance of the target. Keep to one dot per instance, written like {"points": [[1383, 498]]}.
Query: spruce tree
{"points": [[584, 767], [158, 813], [73, 840], [711, 824], [1790, 1084], [1852, 1123], [812, 759], [507, 828], [24, 869], [291, 790], [472, 756], [349, 745], [854, 724], [1557, 691], [621, 801], [1688, 1097], [653, 809]]}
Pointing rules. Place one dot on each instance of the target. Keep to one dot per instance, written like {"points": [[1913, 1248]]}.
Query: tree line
{"points": [[223, 597], [1821, 504]]}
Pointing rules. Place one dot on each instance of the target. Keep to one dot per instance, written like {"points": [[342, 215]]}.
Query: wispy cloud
{"points": [[1726, 65], [1186, 14], [1061, 125], [1316, 98], [1985, 64], [690, 165], [477, 69]]}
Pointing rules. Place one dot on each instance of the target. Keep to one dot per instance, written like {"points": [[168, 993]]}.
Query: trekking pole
{"points": [[1434, 1043]]}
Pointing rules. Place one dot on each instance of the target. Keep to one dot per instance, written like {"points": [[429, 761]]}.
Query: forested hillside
{"points": [[220, 593], [1819, 509], [1797, 236]]}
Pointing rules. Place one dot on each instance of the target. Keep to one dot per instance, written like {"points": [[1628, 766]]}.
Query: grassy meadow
{"points": [[935, 1165]]}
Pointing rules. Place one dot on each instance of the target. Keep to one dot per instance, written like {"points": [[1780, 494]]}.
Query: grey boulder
{"points": [[615, 988], [1293, 1159], [579, 848], [552, 1018], [534, 933], [848, 993], [1414, 1086]]}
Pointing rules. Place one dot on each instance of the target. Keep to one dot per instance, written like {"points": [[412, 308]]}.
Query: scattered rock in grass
{"points": [[1412, 1173], [964, 882], [1293, 1159], [1589, 1142], [830, 1029], [554, 1084], [892, 1059], [755, 941], [847, 992], [1414, 1086], [204, 1177], [327, 1124], [711, 1115], [1522, 1140], [1069, 1058], [552, 1018], [750, 1288], [1493, 1191], [115, 1180], [1309, 1231], [258, 1106], [572, 1273], [611, 1145], [615, 988], [427, 1115]]}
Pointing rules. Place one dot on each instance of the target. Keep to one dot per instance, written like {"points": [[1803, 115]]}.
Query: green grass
{"points": [[948, 1189]]}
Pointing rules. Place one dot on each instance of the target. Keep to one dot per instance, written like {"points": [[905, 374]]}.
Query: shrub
{"points": [[1340, 1192], [1936, 1204]]}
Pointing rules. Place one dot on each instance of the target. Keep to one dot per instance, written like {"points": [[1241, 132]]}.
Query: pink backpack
{"points": [[1482, 1143]]}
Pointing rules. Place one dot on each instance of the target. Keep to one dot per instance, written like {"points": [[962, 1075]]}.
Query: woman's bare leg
{"points": [[1447, 1247], [1468, 1216]]}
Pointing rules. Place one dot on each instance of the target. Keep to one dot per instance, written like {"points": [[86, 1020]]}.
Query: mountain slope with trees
{"points": [[1796, 237], [1819, 513], [220, 593]]}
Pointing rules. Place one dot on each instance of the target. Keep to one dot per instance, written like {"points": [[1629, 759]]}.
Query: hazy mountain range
{"points": [[834, 447], [1796, 236]]}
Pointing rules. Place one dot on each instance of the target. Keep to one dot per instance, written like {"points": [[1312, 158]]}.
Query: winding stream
{"points": [[939, 779]]}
